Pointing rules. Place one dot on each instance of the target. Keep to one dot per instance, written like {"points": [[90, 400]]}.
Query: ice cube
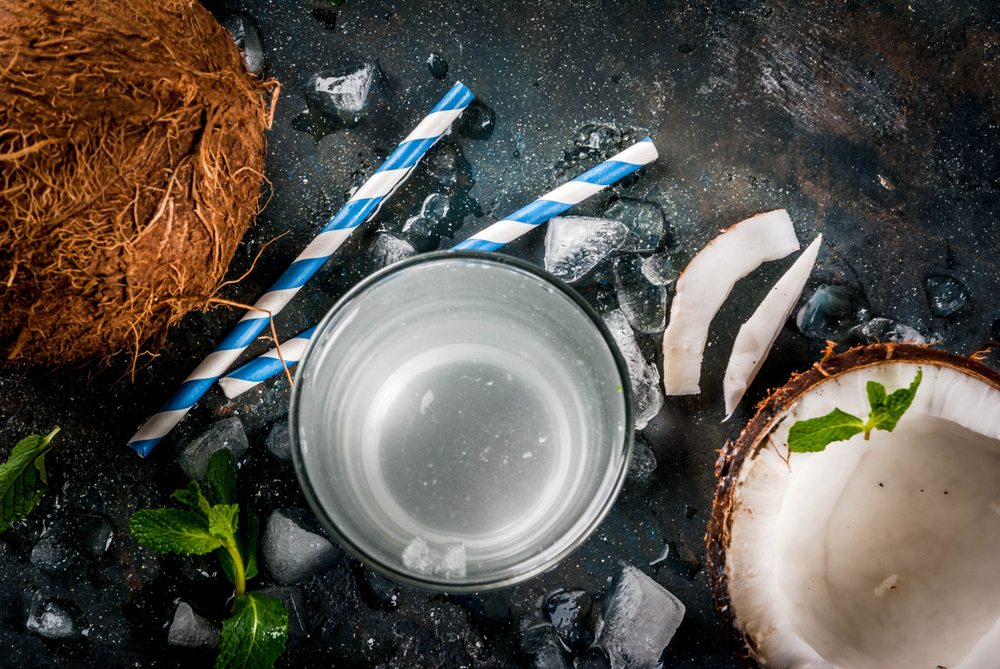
{"points": [[595, 658], [278, 441], [639, 619], [426, 229], [226, 433], [540, 642], [831, 313], [643, 462], [54, 552], [56, 619], [387, 249], [452, 564], [191, 630], [291, 597], [292, 552], [643, 303], [659, 270], [437, 65], [643, 218], [945, 295], [569, 612], [343, 93], [417, 556], [884, 330], [337, 98], [647, 399], [574, 245], [477, 121], [447, 560], [246, 35], [443, 162], [380, 592]]}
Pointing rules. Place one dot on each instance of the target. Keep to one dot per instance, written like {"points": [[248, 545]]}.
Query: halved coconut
{"points": [[879, 554], [705, 284]]}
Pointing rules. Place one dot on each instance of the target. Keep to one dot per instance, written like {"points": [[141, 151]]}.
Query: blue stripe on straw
{"points": [[297, 274], [607, 173], [351, 214], [243, 331], [182, 399], [538, 211], [144, 446], [408, 155], [458, 97], [473, 244]]}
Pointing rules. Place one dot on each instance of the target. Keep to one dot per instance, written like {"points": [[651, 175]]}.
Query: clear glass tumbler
{"points": [[461, 421]]}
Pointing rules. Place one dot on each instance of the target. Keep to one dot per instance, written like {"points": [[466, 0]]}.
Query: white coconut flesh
{"points": [[879, 554], [705, 284], [758, 334]]}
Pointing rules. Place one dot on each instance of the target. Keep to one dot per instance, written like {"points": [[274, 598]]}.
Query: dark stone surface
{"points": [[874, 123]]}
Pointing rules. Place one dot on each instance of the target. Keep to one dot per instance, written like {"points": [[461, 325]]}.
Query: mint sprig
{"points": [[23, 479], [814, 434], [218, 519]]}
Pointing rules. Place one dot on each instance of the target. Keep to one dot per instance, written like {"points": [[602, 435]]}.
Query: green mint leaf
{"points": [[255, 635], [887, 414], [173, 531], [814, 434], [22, 478], [900, 401], [876, 395], [220, 481], [247, 539], [222, 520], [881, 419], [192, 498]]}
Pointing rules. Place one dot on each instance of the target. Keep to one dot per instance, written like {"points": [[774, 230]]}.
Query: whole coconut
{"points": [[131, 157]]}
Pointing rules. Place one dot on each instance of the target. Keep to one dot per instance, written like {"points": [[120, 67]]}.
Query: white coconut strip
{"points": [[757, 335], [706, 283]]}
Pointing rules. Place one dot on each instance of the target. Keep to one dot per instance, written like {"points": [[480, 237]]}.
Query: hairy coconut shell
{"points": [[770, 411], [131, 158]]}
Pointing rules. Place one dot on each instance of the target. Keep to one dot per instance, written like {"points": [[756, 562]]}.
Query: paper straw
{"points": [[500, 233], [551, 204], [362, 205]]}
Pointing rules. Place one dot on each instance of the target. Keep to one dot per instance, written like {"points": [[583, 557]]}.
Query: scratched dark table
{"points": [[874, 123]]}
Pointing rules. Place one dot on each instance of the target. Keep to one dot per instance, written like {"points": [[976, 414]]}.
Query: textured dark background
{"points": [[874, 123]]}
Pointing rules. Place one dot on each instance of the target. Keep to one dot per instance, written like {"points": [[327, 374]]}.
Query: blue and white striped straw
{"points": [[552, 204], [262, 368], [362, 205], [502, 232]]}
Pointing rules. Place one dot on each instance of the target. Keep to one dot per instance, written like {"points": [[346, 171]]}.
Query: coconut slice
{"points": [[757, 335], [878, 554], [706, 283]]}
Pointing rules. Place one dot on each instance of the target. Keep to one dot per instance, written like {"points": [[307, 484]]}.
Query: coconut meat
{"points": [[758, 334], [879, 554], [705, 284]]}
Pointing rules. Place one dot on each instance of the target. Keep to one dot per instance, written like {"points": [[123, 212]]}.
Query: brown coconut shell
{"points": [[131, 157], [770, 411]]}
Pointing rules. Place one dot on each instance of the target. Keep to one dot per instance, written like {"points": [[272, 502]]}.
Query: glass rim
{"points": [[440, 584]]}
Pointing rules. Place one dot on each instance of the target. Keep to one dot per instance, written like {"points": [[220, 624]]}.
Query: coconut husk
{"points": [[131, 158]]}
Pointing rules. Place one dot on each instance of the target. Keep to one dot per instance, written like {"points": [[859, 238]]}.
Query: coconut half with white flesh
{"points": [[705, 284], [758, 334], [877, 554]]}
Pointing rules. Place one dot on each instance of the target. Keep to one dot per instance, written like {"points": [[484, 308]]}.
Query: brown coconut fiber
{"points": [[131, 157]]}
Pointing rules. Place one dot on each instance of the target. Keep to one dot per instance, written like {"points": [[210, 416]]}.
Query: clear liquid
{"points": [[467, 448]]}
